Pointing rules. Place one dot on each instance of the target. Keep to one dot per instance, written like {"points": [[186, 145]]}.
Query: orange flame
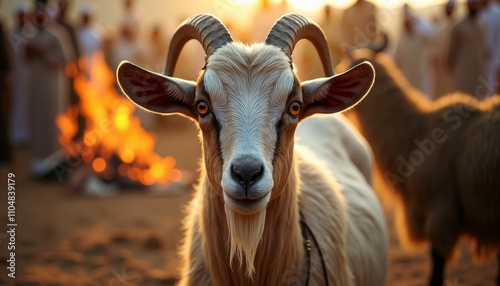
{"points": [[112, 129]]}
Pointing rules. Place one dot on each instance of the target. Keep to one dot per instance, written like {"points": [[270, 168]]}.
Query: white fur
{"points": [[245, 229], [334, 142], [248, 88]]}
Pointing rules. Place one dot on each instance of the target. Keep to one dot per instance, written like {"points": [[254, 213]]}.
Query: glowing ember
{"points": [[112, 131], [99, 165]]}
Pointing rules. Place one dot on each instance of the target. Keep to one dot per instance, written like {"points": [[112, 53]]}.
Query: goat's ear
{"points": [[155, 92], [339, 92]]}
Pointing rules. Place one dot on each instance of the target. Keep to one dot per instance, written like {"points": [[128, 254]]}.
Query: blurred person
{"points": [[73, 69], [108, 43], [126, 47], [157, 49], [90, 38], [359, 25], [332, 31], [47, 60], [468, 53], [51, 14], [131, 19], [490, 14], [443, 78], [5, 155], [62, 20], [19, 132], [412, 51]]}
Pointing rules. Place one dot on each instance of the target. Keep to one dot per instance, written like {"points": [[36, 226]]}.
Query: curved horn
{"points": [[206, 29], [291, 28]]}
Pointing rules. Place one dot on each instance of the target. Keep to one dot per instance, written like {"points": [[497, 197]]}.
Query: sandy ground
{"points": [[131, 239]]}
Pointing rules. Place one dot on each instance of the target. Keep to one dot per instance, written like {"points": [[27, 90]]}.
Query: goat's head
{"points": [[247, 102]]}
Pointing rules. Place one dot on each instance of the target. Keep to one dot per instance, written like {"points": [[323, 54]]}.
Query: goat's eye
{"points": [[202, 108], [294, 108]]}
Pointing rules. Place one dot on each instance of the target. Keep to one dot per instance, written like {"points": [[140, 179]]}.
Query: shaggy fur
{"points": [[325, 175], [341, 148], [356, 253], [256, 242], [442, 158]]}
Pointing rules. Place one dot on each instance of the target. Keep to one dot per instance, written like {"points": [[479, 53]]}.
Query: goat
{"points": [[244, 225], [441, 159]]}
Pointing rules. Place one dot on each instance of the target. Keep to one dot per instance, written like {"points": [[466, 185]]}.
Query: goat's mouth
{"points": [[247, 206]]}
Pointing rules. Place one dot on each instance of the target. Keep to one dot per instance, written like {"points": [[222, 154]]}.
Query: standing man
{"points": [[73, 67], [65, 24], [444, 80], [330, 25], [89, 37], [47, 60], [468, 53], [359, 25], [412, 51], [19, 132]]}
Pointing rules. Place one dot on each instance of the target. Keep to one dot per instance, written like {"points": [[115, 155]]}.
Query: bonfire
{"points": [[113, 142]]}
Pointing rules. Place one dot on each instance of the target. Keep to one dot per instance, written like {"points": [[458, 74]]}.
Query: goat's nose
{"points": [[246, 171]]}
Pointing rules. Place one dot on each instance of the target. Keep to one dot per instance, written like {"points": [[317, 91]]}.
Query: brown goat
{"points": [[441, 159]]}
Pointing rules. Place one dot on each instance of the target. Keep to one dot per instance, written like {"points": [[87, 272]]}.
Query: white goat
{"points": [[244, 225]]}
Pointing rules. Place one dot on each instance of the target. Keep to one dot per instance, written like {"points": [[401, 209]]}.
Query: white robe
{"points": [[333, 32], [467, 57], [359, 25], [157, 54], [412, 57], [443, 83], [45, 96], [89, 42], [19, 129]]}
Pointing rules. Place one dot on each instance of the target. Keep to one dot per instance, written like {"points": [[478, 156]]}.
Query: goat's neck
{"points": [[280, 255]]}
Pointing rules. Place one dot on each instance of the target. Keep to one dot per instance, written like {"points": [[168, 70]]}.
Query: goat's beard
{"points": [[245, 233]]}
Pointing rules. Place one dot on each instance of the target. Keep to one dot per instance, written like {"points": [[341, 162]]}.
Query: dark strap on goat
{"points": [[305, 230]]}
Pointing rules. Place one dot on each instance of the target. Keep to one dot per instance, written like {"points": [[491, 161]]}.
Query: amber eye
{"points": [[294, 108], [202, 108]]}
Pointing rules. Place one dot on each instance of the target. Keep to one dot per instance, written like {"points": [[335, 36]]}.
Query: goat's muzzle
{"points": [[246, 189]]}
